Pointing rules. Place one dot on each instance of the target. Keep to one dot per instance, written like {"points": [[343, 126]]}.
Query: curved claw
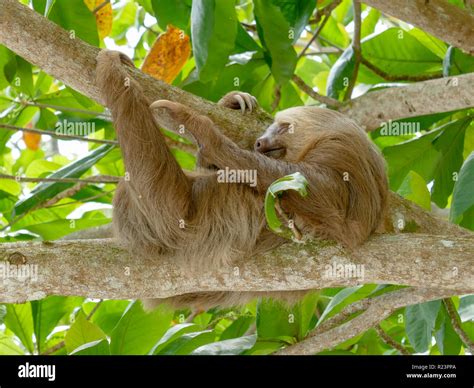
{"points": [[241, 102]]}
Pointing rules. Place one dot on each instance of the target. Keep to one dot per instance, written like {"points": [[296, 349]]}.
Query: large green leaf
{"points": [[213, 32], [19, 320], [237, 328], [274, 32], [172, 334], [48, 312], [175, 12], [463, 193], [48, 190], [296, 182], [414, 188], [98, 347], [232, 346], [108, 314], [456, 62], [82, 332], [420, 322], [397, 52], [137, 330], [187, 343], [75, 17], [8, 347], [447, 340], [449, 144], [340, 74], [296, 13]]}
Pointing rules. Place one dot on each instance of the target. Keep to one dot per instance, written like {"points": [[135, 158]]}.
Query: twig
{"points": [[356, 49], [96, 307], [390, 341], [56, 135], [64, 108], [100, 6], [99, 179], [277, 99], [331, 102], [456, 322], [403, 77], [326, 13]]}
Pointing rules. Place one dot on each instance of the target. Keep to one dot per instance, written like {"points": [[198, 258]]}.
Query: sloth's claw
{"points": [[241, 102]]}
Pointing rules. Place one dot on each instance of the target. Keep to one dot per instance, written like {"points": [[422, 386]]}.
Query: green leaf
{"points": [[48, 190], [175, 12], [466, 308], [25, 76], [74, 16], [447, 340], [275, 320], [296, 13], [296, 182], [123, 19], [188, 342], [237, 328], [232, 346], [8, 347], [369, 22], [450, 144], [99, 347], [414, 188], [420, 322], [345, 297], [274, 32], [340, 74], [463, 193], [456, 62], [108, 313], [82, 332], [397, 52], [19, 320], [137, 330], [172, 334], [48, 312], [213, 32], [335, 33], [435, 45]]}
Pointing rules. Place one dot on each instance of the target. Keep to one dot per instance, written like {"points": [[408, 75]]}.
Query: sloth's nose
{"points": [[261, 145]]}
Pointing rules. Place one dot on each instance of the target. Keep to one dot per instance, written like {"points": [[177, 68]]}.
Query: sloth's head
{"points": [[297, 130]]}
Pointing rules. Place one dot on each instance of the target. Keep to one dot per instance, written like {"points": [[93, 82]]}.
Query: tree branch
{"points": [[378, 309], [107, 271], [417, 99], [438, 17]]}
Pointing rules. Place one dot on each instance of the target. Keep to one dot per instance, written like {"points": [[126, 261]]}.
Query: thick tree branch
{"points": [[418, 99], [378, 309], [108, 271], [438, 17]]}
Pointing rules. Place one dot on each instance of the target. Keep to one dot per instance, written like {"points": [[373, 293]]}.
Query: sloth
{"points": [[204, 224]]}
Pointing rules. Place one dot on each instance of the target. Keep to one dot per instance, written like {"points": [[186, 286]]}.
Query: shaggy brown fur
{"points": [[225, 222]]}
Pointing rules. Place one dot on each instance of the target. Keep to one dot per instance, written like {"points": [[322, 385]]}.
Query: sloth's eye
{"points": [[283, 127]]}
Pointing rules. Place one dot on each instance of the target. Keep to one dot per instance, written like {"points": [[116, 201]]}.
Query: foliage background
{"points": [[253, 46]]}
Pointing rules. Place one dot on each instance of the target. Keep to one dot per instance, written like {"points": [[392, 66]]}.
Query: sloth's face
{"points": [[273, 142]]}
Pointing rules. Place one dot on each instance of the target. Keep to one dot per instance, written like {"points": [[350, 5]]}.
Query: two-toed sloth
{"points": [[206, 224]]}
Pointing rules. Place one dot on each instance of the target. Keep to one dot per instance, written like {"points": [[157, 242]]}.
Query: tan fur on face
{"points": [[224, 222]]}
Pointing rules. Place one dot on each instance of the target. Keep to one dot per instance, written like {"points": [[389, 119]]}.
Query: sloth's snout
{"points": [[262, 144]]}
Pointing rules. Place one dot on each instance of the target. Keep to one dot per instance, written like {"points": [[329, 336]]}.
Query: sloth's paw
{"points": [[239, 100]]}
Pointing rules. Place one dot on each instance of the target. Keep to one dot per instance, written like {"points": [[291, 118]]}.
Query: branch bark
{"points": [[438, 17], [108, 271]]}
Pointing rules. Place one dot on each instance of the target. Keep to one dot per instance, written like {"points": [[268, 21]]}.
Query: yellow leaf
{"points": [[168, 55], [32, 140], [103, 16]]}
